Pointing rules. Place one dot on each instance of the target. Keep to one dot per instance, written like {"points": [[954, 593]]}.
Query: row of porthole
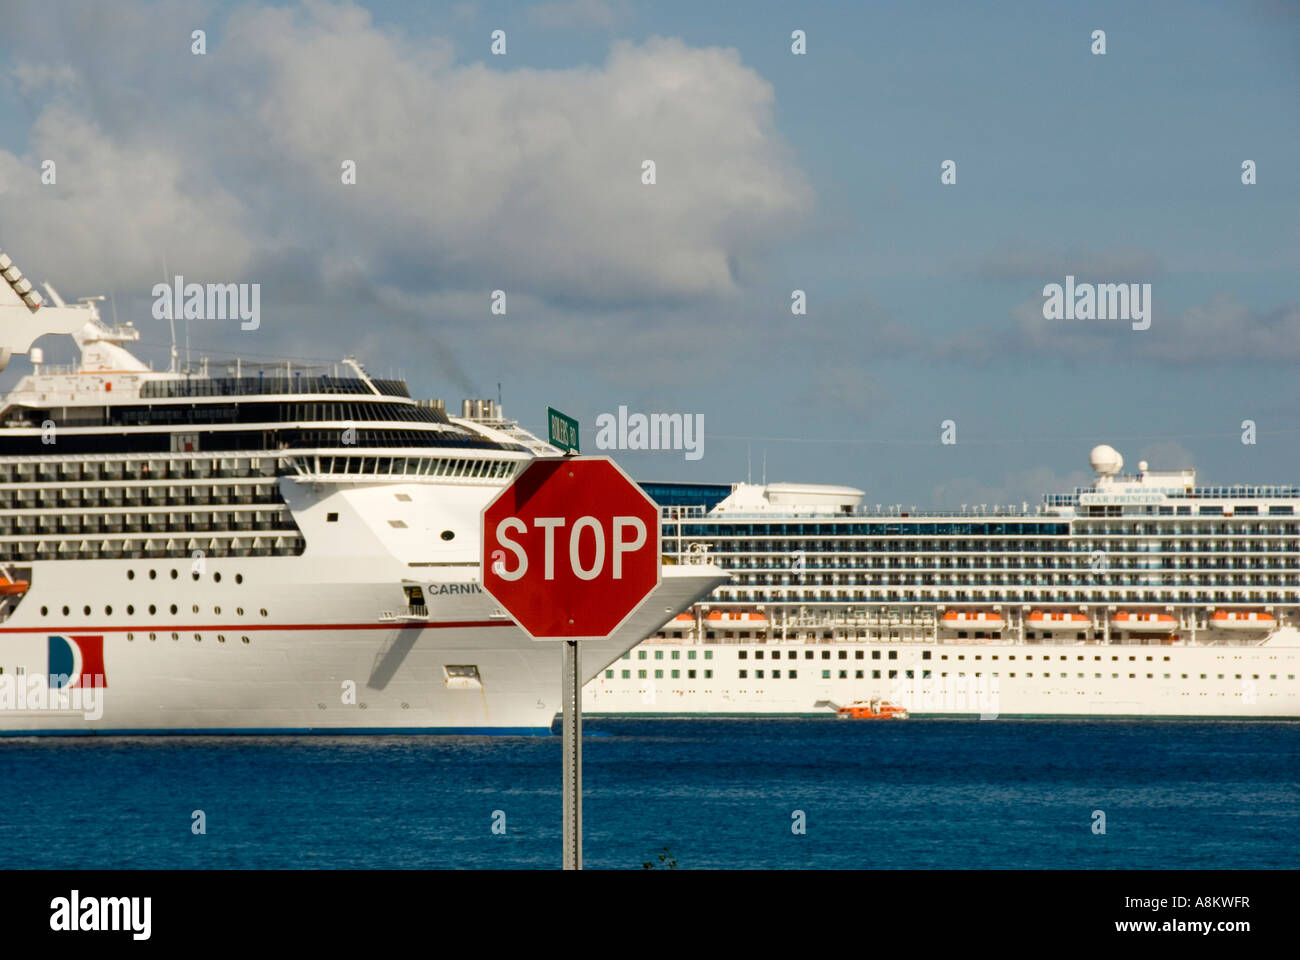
{"points": [[216, 576], [153, 610], [221, 637]]}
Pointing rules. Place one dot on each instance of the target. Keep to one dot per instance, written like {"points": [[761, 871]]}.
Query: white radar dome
{"points": [[1106, 460]]}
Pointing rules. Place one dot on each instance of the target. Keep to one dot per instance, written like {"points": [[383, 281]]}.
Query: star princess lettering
{"points": [[74, 914]]}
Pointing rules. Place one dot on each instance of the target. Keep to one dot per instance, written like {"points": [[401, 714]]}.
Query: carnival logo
{"points": [[76, 662]]}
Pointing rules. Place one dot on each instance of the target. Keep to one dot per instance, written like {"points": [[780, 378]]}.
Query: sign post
{"points": [[570, 551]]}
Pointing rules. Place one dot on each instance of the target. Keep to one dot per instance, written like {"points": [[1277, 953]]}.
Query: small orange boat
{"points": [[9, 588], [874, 709]]}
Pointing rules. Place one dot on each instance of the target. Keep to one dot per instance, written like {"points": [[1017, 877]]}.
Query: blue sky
{"points": [[775, 172]]}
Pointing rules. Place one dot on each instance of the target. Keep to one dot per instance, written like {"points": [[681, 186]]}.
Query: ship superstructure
{"points": [[1139, 595], [255, 547]]}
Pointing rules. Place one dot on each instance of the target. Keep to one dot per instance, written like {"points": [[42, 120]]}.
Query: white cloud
{"points": [[468, 178]]}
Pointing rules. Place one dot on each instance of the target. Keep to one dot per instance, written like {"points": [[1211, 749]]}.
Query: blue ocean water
{"points": [[718, 793]]}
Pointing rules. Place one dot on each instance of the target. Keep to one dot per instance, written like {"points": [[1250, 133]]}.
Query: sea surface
{"points": [[717, 793]]}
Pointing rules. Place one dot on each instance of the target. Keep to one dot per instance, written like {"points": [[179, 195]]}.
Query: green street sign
{"points": [[563, 430]]}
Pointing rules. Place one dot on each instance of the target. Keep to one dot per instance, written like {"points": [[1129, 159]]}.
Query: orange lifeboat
{"points": [[874, 709], [736, 620], [1057, 620], [1242, 620], [973, 620], [1145, 622], [9, 588]]}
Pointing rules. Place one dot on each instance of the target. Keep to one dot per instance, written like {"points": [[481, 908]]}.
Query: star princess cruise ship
{"points": [[257, 548]]}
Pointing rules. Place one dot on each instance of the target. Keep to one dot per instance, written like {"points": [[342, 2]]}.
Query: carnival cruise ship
{"points": [[1141, 595], [256, 547]]}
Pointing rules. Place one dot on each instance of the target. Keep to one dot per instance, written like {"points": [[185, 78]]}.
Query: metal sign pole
{"points": [[571, 691]]}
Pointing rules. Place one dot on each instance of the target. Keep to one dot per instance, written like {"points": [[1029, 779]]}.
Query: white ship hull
{"points": [[1148, 680], [312, 667]]}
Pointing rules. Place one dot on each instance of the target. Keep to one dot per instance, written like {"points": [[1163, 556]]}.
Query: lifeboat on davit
{"points": [[1057, 620], [1144, 622], [10, 588], [736, 620], [1242, 620], [972, 620], [874, 709]]}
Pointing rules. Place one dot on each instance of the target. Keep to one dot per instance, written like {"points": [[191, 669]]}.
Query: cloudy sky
{"points": [[819, 172]]}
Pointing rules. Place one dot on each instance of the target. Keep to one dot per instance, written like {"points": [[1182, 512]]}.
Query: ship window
{"points": [[447, 535], [263, 611], [239, 578], [708, 674], [742, 655], [925, 655], [808, 655], [875, 654], [826, 674], [627, 674], [826, 654], [893, 654], [130, 574], [857, 674], [640, 654], [659, 654], [108, 611], [173, 608], [875, 674], [221, 638], [844, 654], [244, 639], [331, 518], [758, 674], [659, 674], [708, 654], [893, 674], [216, 577], [793, 674], [194, 574], [743, 674], [86, 610], [153, 574], [174, 574], [152, 609], [45, 611]]}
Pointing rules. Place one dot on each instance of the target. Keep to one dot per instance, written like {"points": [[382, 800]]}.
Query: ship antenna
{"points": [[749, 465], [765, 466], [171, 318]]}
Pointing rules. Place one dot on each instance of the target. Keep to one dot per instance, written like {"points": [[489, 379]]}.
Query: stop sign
{"points": [[571, 548]]}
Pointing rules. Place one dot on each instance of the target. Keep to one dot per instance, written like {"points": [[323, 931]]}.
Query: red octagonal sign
{"points": [[571, 548]]}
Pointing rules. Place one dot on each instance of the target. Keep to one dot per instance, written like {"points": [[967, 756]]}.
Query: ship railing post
{"points": [[571, 691]]}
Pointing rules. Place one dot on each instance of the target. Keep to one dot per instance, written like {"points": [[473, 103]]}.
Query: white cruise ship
{"points": [[256, 548], [1141, 595]]}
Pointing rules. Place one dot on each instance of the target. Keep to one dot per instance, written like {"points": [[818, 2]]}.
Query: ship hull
{"points": [[310, 665], [1117, 680]]}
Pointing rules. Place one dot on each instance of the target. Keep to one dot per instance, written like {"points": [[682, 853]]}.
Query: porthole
{"points": [[45, 611], [245, 639], [216, 610], [176, 636], [174, 574], [86, 609], [130, 609], [221, 638], [216, 578], [174, 608], [152, 609], [194, 574], [239, 578], [196, 608], [130, 636], [153, 636], [197, 638], [448, 535], [108, 611], [153, 574], [130, 574], [239, 610], [65, 611], [263, 611]]}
